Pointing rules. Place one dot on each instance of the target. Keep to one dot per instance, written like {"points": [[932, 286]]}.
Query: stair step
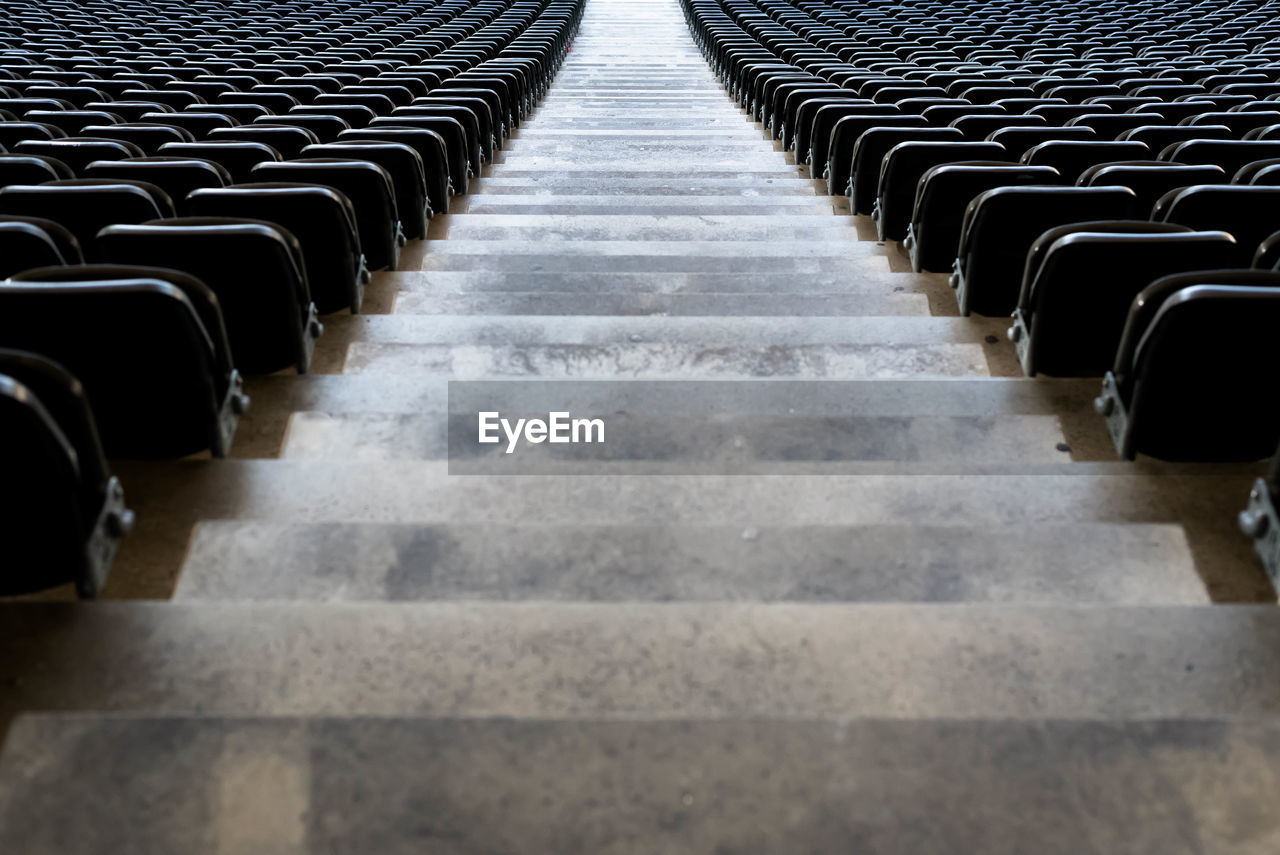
{"points": [[635, 660], [644, 206], [710, 282], [1064, 564], [664, 361], [642, 437], [681, 787], [694, 185], [425, 302], [640, 227]]}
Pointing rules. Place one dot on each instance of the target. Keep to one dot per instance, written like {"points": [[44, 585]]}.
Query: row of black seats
{"points": [[1105, 172], [185, 189]]}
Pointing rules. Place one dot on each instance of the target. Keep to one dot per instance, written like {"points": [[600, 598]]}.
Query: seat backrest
{"points": [[254, 268], [1074, 304], [1150, 180], [237, 158], [1249, 213], [63, 398], [30, 169], [1000, 226], [176, 176], [83, 210], [1194, 365], [1072, 157], [287, 140], [140, 348], [370, 189], [25, 245], [77, 152], [42, 507], [322, 220]]}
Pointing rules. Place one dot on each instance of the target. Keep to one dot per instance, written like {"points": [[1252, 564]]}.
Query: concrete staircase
{"points": [[865, 589]]}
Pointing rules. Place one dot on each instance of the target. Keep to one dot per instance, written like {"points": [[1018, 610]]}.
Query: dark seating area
{"points": [[227, 189], [1103, 174]]}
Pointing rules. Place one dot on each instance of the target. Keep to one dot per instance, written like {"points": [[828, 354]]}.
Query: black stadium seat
{"points": [[901, 170], [1190, 377], [942, 197], [370, 189], [320, 218], [1000, 227], [24, 245], [1080, 280], [149, 346], [254, 268], [1249, 214], [62, 514], [176, 176], [1150, 179], [83, 208]]}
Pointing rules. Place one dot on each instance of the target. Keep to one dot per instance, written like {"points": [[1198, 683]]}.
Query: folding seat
{"points": [[198, 124], [84, 206], [60, 501], [1250, 171], [149, 345], [176, 98], [806, 117], [824, 124], [1231, 155], [478, 152], [72, 122], [869, 153], [1077, 93], [407, 172], [255, 269], [1080, 280], [1109, 126], [324, 127], [944, 195], [176, 176], [287, 140], [1248, 213], [12, 133], [76, 152], [1158, 137], [146, 136], [485, 103], [1150, 179], [78, 96], [236, 157], [980, 127], [1059, 113], [31, 169], [904, 165], [370, 189], [1072, 157], [1000, 227], [1019, 140], [786, 103], [1192, 372], [322, 220], [25, 244], [1176, 111], [432, 154], [448, 129]]}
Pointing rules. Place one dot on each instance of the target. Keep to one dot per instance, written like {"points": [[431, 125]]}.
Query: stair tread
{"points": [[770, 787], [1063, 564]]}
